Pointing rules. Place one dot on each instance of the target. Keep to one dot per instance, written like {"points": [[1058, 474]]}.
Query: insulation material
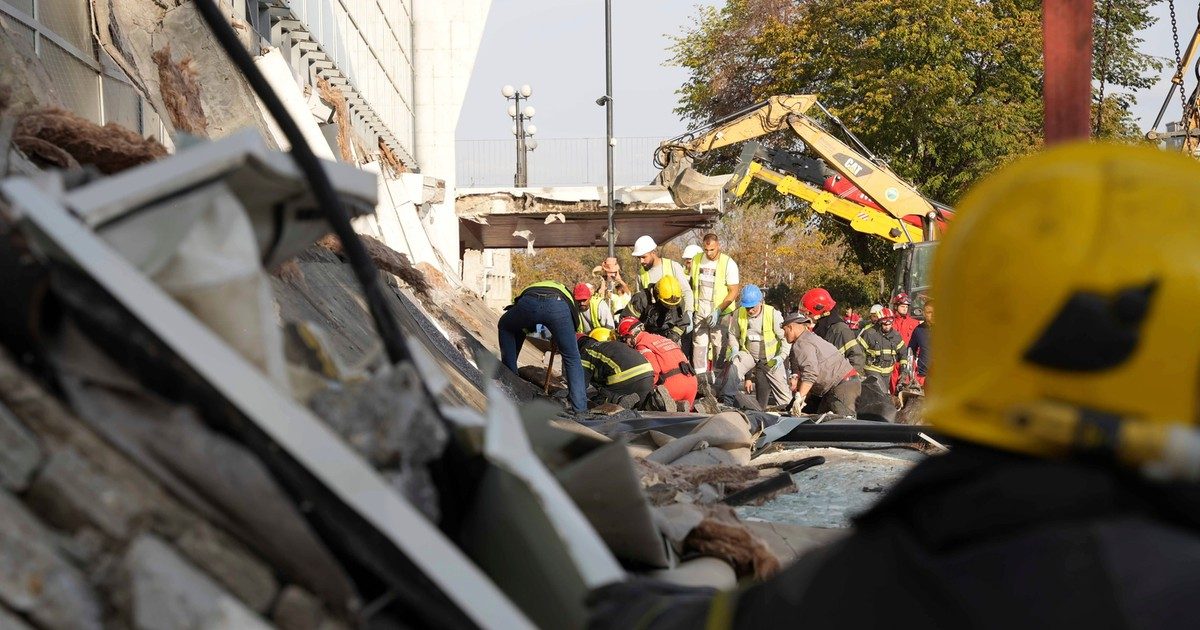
{"points": [[181, 92], [280, 77], [133, 31], [341, 117], [731, 541], [63, 139]]}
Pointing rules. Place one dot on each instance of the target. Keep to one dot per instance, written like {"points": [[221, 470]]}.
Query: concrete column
{"points": [[446, 38]]}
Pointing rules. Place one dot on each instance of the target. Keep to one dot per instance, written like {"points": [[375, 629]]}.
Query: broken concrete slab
{"points": [[221, 557], [792, 541], [20, 454], [165, 592], [35, 580], [71, 493]]}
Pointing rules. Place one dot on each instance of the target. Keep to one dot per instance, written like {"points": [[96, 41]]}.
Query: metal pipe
{"points": [[608, 108]]}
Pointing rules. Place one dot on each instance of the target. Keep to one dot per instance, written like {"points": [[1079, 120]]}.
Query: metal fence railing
{"points": [[556, 162]]}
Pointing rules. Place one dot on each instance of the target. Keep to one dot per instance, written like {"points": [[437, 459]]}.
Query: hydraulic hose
{"points": [[360, 262]]}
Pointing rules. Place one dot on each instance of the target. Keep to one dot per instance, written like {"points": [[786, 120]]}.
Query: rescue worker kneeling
{"points": [[1069, 498], [671, 367], [754, 338], [620, 373]]}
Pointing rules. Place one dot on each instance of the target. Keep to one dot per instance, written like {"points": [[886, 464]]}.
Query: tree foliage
{"points": [[943, 90]]}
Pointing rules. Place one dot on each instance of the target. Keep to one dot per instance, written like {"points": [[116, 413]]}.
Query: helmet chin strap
{"points": [[1162, 451]]}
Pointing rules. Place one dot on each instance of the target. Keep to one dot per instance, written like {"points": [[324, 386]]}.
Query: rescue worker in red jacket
{"points": [[904, 324], [903, 321], [671, 367]]}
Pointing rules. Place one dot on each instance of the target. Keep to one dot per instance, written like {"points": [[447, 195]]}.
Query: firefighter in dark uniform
{"points": [[1070, 497], [660, 309], [620, 373], [884, 350]]}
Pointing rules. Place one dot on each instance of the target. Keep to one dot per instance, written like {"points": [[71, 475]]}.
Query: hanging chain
{"points": [[1104, 65], [1178, 64]]}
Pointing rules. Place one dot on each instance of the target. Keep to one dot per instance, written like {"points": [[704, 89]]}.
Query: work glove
{"points": [[690, 325], [797, 406], [713, 318]]}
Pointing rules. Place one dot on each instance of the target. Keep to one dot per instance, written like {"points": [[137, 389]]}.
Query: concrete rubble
{"points": [[199, 427]]}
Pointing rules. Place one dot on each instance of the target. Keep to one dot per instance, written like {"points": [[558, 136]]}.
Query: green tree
{"points": [[943, 90]]}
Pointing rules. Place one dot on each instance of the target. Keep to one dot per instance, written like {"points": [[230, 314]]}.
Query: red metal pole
{"points": [[1067, 87]]}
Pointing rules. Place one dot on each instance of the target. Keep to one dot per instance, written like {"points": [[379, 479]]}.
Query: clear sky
{"points": [[557, 47]]}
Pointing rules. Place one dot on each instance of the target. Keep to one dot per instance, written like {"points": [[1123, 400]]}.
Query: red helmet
{"points": [[628, 326], [853, 320], [817, 301], [901, 298], [886, 313], [583, 292]]}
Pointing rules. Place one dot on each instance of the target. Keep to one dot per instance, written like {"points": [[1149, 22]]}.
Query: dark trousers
{"points": [[842, 399], [640, 385], [554, 313]]}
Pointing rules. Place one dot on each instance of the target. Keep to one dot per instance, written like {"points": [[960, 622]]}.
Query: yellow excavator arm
{"points": [[860, 217], [895, 196]]}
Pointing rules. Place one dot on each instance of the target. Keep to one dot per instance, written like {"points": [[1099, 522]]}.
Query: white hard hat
{"points": [[876, 309], [644, 245], [691, 251]]}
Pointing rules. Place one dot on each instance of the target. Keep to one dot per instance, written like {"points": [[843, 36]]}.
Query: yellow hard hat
{"points": [[668, 290], [601, 334], [1063, 293]]}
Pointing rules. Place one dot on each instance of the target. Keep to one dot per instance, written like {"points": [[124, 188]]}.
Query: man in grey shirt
{"points": [[821, 375]]}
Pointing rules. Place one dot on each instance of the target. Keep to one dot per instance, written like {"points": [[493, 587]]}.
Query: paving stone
{"points": [[35, 580], [230, 564], [165, 592], [20, 453]]}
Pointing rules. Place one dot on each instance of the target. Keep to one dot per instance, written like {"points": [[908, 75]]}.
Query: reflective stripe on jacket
{"points": [[770, 341], [720, 288], [612, 362], [883, 350]]}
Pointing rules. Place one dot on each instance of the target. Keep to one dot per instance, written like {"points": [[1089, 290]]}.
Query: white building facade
{"points": [[400, 70]]}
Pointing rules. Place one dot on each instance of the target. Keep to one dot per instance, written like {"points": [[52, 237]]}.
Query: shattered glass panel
{"points": [[122, 105], [76, 82], [24, 6], [71, 20]]}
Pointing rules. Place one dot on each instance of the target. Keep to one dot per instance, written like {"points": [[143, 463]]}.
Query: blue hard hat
{"points": [[751, 296]]}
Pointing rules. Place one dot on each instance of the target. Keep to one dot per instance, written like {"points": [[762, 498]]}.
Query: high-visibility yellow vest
{"points": [[561, 288], [668, 267], [770, 341], [594, 310], [720, 288]]}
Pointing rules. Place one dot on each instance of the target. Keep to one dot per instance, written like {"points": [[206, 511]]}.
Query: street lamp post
{"points": [[523, 132], [607, 102]]}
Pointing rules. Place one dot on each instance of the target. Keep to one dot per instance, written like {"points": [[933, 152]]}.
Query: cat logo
{"points": [[852, 165]]}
